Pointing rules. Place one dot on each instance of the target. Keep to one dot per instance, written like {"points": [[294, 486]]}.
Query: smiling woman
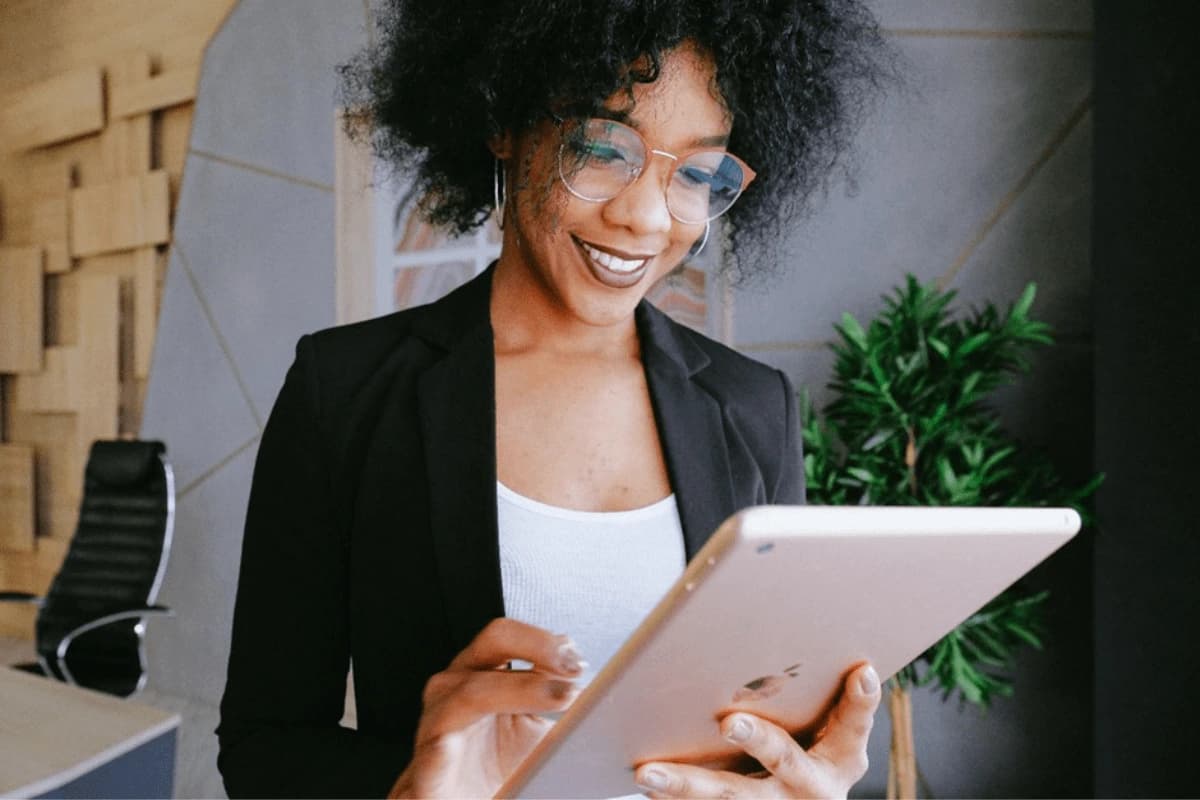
{"points": [[517, 471]]}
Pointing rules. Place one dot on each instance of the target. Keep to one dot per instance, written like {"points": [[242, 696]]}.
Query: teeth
{"points": [[609, 261]]}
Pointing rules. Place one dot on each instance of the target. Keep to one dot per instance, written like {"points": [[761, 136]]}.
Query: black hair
{"points": [[445, 76]]}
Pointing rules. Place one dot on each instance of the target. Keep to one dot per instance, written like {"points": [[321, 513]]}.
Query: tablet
{"points": [[769, 617]]}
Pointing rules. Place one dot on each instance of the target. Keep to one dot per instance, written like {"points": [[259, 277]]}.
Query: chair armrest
{"points": [[130, 613], [20, 597]]}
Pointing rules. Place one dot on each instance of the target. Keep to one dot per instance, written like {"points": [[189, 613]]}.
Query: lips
{"points": [[618, 271]]}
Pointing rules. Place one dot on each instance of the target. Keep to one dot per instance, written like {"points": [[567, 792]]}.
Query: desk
{"points": [[58, 740]]}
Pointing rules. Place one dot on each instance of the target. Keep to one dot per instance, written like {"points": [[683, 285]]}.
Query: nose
{"points": [[642, 206]]}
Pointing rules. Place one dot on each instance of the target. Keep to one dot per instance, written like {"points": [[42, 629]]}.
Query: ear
{"points": [[501, 145]]}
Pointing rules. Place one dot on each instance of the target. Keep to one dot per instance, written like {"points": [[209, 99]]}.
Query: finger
{"points": [[777, 751], [503, 640], [490, 692], [683, 780], [844, 740]]}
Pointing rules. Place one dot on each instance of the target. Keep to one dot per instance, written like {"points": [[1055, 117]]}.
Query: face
{"points": [[594, 261]]}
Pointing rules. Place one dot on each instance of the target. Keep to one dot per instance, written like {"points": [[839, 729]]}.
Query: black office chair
{"points": [[91, 623]]}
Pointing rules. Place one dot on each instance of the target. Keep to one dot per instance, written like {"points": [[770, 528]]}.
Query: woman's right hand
{"points": [[479, 719]]}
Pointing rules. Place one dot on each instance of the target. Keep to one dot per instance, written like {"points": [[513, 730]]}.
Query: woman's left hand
{"points": [[836, 760]]}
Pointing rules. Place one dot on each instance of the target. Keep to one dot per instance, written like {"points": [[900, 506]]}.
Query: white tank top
{"points": [[593, 575]]}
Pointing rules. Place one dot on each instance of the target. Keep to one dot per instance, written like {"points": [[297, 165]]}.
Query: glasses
{"points": [[600, 158]]}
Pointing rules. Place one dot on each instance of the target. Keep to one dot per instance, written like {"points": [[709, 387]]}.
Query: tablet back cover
{"points": [[769, 617]]}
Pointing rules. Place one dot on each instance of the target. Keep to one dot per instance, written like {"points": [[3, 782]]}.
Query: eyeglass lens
{"points": [[600, 158]]}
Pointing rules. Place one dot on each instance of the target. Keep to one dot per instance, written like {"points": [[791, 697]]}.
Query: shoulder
{"points": [[759, 409], [347, 356], [739, 383]]}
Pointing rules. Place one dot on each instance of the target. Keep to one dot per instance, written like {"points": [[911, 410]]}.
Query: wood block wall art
{"points": [[146, 271], [95, 117], [54, 110], [151, 94], [120, 215], [99, 370], [54, 390], [49, 227], [16, 498], [125, 145], [21, 306], [58, 468]]}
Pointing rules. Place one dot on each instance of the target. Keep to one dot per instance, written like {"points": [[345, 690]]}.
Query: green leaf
{"points": [[1021, 308], [877, 439], [853, 331], [973, 343], [863, 475], [1024, 633]]}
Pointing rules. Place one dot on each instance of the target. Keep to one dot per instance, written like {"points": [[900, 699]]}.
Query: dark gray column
{"points": [[1147, 336]]}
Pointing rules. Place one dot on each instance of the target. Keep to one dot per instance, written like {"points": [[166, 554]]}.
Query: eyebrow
{"points": [[617, 115]]}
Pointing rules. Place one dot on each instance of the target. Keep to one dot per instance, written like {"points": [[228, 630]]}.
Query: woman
{"points": [[445, 491]]}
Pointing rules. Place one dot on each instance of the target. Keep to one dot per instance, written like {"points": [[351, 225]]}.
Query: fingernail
{"points": [[740, 730], [868, 681], [654, 780], [560, 690], [569, 659]]}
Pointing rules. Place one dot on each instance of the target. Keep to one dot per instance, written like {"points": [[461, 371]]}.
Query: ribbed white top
{"points": [[593, 575]]}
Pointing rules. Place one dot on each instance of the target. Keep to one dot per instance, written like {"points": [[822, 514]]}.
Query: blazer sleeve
{"points": [[789, 489], [279, 733]]}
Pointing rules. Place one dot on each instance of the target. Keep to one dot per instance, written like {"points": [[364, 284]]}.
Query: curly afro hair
{"points": [[447, 75]]}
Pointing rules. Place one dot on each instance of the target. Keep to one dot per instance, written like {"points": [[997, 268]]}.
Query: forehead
{"points": [[682, 107]]}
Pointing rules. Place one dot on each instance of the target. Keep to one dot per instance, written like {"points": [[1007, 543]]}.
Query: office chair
{"points": [[91, 623]]}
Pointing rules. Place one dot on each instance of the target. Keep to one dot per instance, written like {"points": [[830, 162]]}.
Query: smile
{"points": [[609, 261], [613, 270]]}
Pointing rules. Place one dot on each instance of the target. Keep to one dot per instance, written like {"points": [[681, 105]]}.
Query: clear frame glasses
{"points": [[600, 158]]}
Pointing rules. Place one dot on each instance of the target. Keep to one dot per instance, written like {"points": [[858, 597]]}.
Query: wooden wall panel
{"points": [[99, 371], [95, 114], [21, 287], [50, 229], [161, 91], [53, 110], [121, 215], [39, 39], [16, 498], [175, 126], [147, 272], [54, 390], [125, 145], [58, 468]]}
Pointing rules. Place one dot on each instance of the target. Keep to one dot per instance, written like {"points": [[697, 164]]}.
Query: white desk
{"points": [[62, 741]]}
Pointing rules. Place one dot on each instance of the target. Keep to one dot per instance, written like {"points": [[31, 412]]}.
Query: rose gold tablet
{"points": [[769, 616]]}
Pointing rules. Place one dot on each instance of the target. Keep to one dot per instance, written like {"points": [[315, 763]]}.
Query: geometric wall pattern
{"points": [[976, 174]]}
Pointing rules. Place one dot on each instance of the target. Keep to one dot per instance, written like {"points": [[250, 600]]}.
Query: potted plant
{"points": [[910, 425]]}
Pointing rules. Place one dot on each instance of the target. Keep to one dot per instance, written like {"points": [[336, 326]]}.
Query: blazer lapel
{"points": [[690, 426], [456, 398]]}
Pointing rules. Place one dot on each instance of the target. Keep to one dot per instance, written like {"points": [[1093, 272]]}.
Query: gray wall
{"points": [[977, 173]]}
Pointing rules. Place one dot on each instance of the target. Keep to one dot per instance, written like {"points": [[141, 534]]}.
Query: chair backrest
{"points": [[115, 562]]}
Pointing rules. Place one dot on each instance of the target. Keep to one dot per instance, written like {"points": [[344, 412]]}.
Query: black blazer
{"points": [[371, 532]]}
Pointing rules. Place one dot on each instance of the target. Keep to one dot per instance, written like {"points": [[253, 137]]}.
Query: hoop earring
{"points": [[498, 192], [695, 251]]}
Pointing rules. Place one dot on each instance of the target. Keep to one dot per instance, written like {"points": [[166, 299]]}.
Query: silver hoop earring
{"points": [[498, 192], [703, 241]]}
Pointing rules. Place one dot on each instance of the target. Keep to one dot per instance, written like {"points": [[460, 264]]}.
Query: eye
{"points": [[598, 151], [693, 175]]}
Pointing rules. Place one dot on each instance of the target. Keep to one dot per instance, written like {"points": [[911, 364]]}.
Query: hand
{"points": [[836, 760], [479, 719]]}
